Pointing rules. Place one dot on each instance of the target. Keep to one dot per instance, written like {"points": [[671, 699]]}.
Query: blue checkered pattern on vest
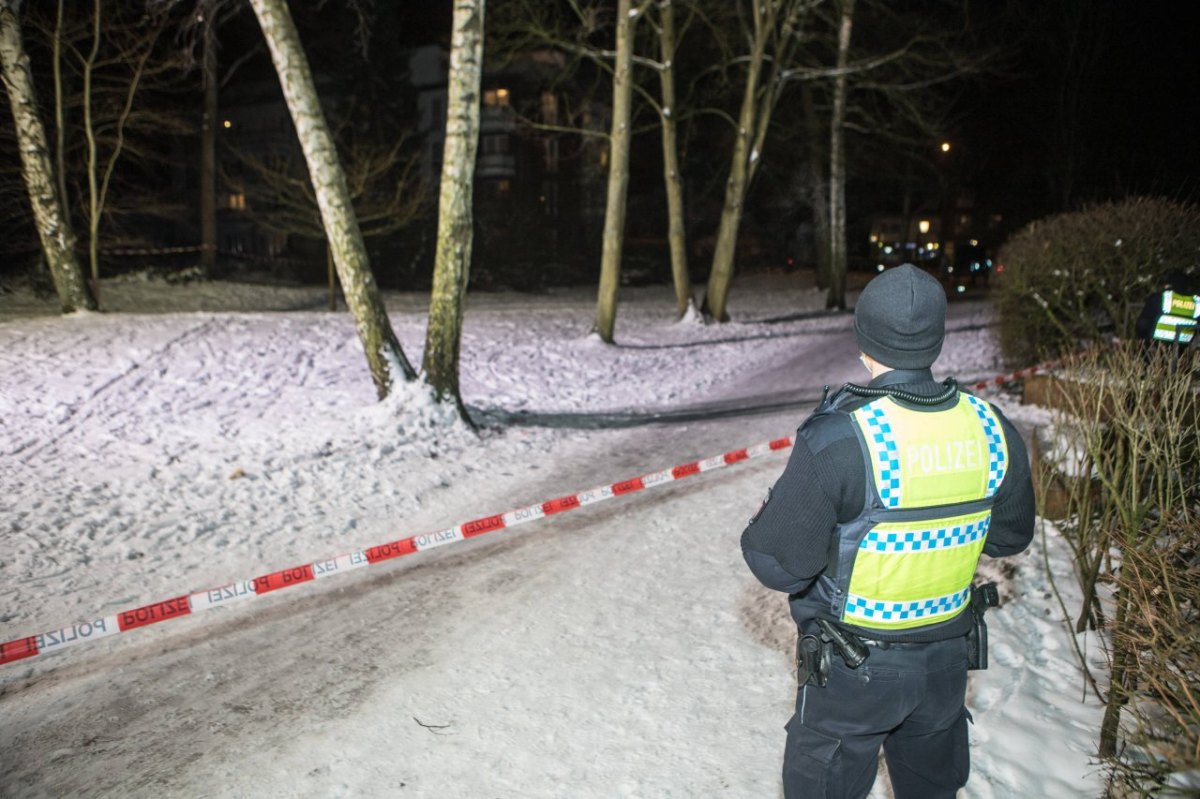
{"points": [[996, 457], [901, 611], [918, 540], [883, 444]]}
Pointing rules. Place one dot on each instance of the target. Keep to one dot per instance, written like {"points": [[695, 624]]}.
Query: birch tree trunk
{"points": [[836, 297], [443, 337], [618, 174], [53, 225], [384, 355], [676, 229], [208, 147], [721, 273]]}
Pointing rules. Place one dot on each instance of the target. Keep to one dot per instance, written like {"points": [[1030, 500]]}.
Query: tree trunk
{"points": [[60, 126], [208, 148], [384, 355], [744, 153], [443, 337], [836, 297], [618, 175], [676, 230], [53, 225], [89, 130], [331, 277]]}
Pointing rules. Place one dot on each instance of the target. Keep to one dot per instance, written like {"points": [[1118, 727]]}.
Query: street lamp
{"points": [[945, 146]]}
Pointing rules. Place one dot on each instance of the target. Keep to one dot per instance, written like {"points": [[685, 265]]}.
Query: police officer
{"points": [[1172, 315], [874, 529]]}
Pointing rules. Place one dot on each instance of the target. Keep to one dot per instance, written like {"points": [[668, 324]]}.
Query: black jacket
{"points": [[787, 542]]}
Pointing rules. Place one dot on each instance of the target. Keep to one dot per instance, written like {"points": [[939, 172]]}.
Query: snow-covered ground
{"points": [[618, 650]]}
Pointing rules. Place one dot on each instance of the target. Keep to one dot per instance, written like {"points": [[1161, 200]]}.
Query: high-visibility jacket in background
{"points": [[908, 559], [1178, 317]]}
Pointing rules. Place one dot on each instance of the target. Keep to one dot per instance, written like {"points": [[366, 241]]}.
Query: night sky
{"points": [[1133, 127]]}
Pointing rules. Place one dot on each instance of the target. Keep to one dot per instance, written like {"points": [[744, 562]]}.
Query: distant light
{"points": [[974, 242], [879, 268], [945, 146], [923, 226], [887, 250], [502, 93], [874, 238], [961, 289], [228, 123]]}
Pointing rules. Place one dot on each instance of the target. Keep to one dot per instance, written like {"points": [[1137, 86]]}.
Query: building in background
{"points": [[539, 186]]}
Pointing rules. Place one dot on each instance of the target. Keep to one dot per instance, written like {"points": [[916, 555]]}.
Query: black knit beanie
{"points": [[900, 318]]}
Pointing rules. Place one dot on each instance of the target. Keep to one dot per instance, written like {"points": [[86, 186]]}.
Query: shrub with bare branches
{"points": [[1084, 275], [1132, 417]]}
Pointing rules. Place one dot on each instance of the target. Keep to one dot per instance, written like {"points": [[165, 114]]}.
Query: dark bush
{"points": [[1085, 275]]}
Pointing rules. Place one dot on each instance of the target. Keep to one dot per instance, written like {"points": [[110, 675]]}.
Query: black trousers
{"points": [[909, 700]]}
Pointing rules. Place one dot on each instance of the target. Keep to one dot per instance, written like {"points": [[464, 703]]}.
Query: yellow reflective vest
{"points": [[1177, 319], [908, 560]]}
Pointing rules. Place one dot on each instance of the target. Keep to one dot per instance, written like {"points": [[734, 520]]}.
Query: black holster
{"points": [[812, 661], [982, 597]]}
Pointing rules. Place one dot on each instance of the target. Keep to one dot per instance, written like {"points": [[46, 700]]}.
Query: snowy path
{"points": [[618, 650]]}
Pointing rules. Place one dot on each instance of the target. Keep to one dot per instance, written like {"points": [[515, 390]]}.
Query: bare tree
{"points": [[891, 90], [131, 53], [529, 24], [836, 297], [773, 30], [384, 354], [208, 141], [112, 111], [618, 171], [672, 179], [53, 224], [443, 336], [385, 191]]}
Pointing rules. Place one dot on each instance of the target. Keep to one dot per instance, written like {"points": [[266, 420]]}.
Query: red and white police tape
{"points": [[186, 604], [1000, 380]]}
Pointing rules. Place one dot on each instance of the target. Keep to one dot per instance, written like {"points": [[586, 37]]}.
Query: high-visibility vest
{"points": [[1177, 321], [907, 561]]}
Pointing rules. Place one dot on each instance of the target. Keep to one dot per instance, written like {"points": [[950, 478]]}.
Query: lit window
{"points": [[549, 108], [496, 98], [237, 201]]}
